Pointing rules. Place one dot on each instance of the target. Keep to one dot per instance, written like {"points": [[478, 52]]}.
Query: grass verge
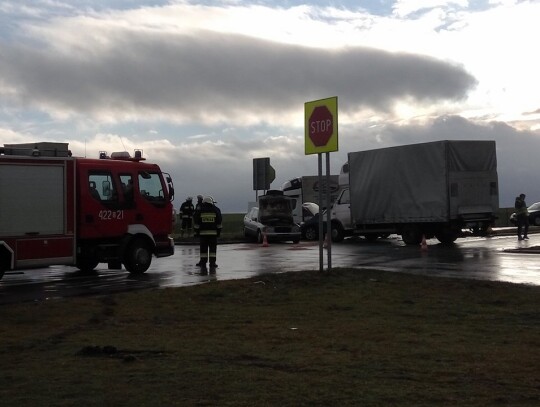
{"points": [[350, 337]]}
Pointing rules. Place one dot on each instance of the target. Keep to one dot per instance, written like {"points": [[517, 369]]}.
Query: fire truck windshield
{"points": [[150, 186]]}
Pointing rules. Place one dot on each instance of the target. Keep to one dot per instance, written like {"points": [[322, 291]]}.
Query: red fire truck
{"points": [[59, 209]]}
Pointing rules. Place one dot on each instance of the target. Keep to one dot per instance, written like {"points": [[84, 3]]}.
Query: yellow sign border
{"points": [[332, 145]]}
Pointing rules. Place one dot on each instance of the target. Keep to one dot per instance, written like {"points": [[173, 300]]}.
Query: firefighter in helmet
{"points": [[208, 228], [186, 214]]}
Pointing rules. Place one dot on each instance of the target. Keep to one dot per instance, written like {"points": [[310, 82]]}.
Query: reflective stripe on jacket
{"points": [[208, 220]]}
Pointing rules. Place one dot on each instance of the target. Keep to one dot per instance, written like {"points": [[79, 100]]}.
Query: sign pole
{"points": [[321, 234], [328, 218]]}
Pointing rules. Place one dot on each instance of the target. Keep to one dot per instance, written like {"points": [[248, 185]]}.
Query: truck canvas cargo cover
{"points": [[427, 182]]}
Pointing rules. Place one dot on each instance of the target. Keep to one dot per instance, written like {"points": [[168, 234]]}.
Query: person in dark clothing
{"points": [[208, 228], [186, 214], [522, 217], [93, 191], [199, 202], [198, 205]]}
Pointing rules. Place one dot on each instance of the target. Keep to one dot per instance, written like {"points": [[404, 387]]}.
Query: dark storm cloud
{"points": [[210, 76], [516, 150], [516, 158]]}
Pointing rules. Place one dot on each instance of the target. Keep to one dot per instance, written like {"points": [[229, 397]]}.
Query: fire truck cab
{"points": [[59, 209]]}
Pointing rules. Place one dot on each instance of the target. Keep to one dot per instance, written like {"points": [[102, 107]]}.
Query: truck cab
{"points": [[340, 212], [340, 215], [133, 203]]}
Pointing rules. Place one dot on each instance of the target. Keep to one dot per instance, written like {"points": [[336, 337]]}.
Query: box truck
{"points": [[435, 189]]}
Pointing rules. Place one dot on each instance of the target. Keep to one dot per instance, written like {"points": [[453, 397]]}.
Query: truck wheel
{"points": [[86, 263], [371, 237], [311, 233], [138, 256], [338, 234], [446, 237], [4, 264], [411, 235]]}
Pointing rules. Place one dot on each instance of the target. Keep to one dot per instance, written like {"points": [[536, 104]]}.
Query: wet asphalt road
{"points": [[499, 258]]}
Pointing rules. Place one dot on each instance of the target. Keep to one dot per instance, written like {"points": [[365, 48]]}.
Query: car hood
{"points": [[275, 211], [276, 219]]}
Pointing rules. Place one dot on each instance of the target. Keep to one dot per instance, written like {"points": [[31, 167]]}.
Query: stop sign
{"points": [[321, 126]]}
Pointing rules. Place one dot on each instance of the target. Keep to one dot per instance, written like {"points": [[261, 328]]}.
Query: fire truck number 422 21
{"points": [[59, 209], [111, 215]]}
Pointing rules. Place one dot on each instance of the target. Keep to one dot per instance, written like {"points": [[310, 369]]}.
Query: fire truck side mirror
{"points": [[171, 187]]}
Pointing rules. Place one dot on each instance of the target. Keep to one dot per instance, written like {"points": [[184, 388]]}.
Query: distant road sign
{"points": [[263, 174], [321, 126]]}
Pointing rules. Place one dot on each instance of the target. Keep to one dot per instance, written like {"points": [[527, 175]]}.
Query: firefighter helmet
{"points": [[208, 199]]}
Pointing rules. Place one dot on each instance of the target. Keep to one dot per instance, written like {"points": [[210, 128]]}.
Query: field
{"points": [[232, 227], [346, 338]]}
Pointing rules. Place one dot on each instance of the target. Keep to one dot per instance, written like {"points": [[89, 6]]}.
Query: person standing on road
{"points": [[198, 205], [208, 228], [186, 214], [522, 217]]}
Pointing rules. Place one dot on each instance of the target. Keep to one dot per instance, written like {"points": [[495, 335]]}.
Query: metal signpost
{"points": [[263, 175], [321, 136]]}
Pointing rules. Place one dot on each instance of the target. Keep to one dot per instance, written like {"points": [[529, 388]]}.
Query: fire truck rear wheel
{"points": [[87, 264], [138, 256]]}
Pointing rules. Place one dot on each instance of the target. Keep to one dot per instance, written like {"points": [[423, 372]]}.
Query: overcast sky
{"points": [[204, 87]]}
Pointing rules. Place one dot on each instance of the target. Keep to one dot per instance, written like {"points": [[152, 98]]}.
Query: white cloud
{"points": [[404, 8], [221, 85]]}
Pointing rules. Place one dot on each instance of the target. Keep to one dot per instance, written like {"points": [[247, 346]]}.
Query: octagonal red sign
{"points": [[321, 126]]}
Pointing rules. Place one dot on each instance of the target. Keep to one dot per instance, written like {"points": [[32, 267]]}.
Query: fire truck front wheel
{"points": [[138, 256]]}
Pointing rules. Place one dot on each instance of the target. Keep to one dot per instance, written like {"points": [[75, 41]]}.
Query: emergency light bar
{"points": [[122, 155]]}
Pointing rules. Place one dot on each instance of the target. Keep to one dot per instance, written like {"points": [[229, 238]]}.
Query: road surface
{"points": [[499, 258]]}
